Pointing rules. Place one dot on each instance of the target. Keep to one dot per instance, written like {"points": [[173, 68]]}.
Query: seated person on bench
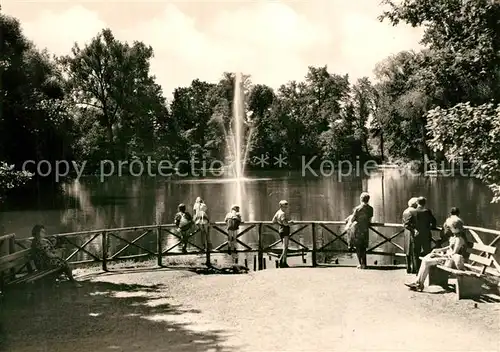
{"points": [[451, 256], [45, 255]]}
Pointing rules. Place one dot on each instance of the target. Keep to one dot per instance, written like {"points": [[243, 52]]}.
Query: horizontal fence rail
{"points": [[321, 241]]}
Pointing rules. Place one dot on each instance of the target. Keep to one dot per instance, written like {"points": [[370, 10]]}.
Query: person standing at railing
{"points": [[199, 205], [409, 222], [184, 222], [358, 225], [201, 220], [282, 218], [45, 255], [424, 223], [233, 221]]}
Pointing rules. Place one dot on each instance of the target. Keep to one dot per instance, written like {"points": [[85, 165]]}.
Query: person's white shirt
{"points": [[281, 218]]}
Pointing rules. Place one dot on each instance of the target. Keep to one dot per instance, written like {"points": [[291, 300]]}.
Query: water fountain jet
{"points": [[238, 149]]}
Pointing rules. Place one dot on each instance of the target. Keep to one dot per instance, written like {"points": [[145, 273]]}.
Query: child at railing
{"points": [[199, 205], [282, 218], [202, 220], [184, 222], [233, 221]]}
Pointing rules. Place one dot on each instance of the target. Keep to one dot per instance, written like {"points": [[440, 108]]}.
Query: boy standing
{"points": [[233, 221], [282, 218], [184, 221]]}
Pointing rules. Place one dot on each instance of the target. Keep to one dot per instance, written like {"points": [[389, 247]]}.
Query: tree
{"points": [[463, 38], [363, 100], [192, 109], [260, 100], [470, 134], [325, 95], [34, 123], [288, 114], [400, 106], [306, 109], [340, 142], [264, 138], [111, 79]]}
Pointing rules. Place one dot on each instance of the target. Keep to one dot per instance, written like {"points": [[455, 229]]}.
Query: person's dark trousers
{"points": [[411, 259], [184, 240], [421, 247], [361, 254]]}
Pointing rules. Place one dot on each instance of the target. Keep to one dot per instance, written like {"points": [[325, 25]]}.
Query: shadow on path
{"points": [[100, 316]]}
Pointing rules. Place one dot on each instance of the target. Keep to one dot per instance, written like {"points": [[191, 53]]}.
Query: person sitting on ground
{"points": [[201, 220], [45, 255], [452, 256], [184, 222], [358, 225], [233, 221], [282, 218]]}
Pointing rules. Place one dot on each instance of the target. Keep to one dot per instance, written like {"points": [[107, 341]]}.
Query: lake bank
{"points": [[298, 309]]}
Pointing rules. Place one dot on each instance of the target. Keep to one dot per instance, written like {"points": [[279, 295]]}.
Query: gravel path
{"points": [[297, 309]]}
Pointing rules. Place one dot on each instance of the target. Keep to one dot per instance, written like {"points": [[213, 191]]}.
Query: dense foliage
{"points": [[10, 178], [472, 134], [102, 102]]}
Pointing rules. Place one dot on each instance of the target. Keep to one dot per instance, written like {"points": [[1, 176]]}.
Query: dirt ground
{"points": [[296, 309]]}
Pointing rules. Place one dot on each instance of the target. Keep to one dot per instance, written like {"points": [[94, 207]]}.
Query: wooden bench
{"points": [[470, 281], [14, 264]]}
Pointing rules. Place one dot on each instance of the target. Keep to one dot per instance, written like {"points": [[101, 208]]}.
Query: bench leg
{"points": [[468, 286], [438, 277]]}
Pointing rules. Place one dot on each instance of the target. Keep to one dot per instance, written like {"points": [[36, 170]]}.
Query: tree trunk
{"points": [[365, 145], [425, 149], [109, 132], [382, 146]]}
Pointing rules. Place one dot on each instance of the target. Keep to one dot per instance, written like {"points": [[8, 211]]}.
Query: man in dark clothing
{"points": [[409, 235], [424, 223]]}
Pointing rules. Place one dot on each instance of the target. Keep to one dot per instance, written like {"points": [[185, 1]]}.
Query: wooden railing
{"points": [[8, 246], [310, 238]]}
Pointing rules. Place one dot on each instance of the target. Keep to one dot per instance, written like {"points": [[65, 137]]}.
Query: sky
{"points": [[273, 41]]}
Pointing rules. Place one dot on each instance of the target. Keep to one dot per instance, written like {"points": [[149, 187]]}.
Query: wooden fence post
{"points": [[104, 251], [12, 249], [260, 252], [159, 245], [314, 260], [208, 246], [4, 242]]}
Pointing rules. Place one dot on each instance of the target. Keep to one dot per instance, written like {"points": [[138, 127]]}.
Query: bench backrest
{"points": [[17, 259], [484, 261]]}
